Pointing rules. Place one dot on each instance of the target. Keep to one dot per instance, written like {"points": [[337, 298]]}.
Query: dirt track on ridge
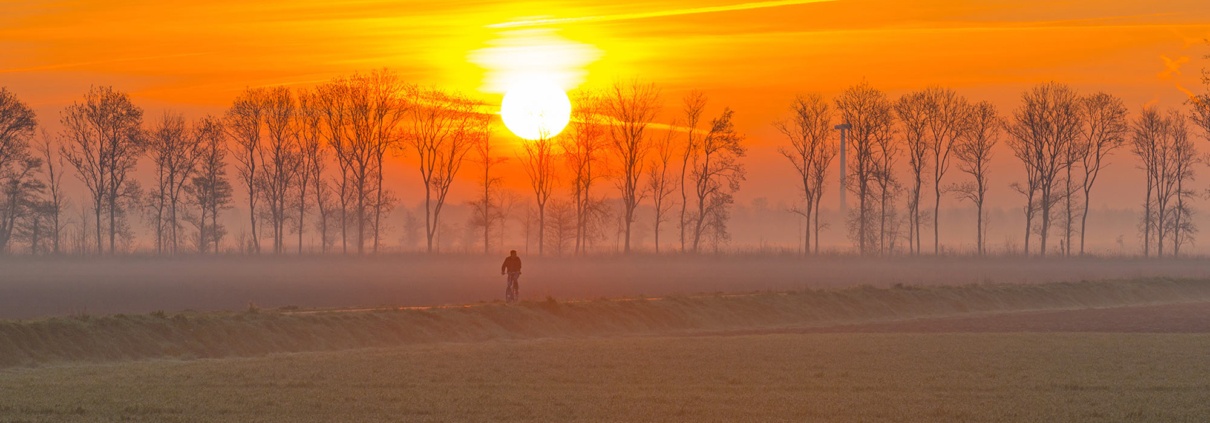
{"points": [[1165, 318]]}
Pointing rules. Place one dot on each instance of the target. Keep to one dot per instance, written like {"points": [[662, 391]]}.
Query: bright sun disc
{"points": [[535, 111]]}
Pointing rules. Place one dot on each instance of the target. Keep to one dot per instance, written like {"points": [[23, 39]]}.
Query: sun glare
{"points": [[535, 110], [534, 68]]}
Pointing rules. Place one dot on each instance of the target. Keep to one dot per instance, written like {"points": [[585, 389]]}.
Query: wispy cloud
{"points": [[1172, 67], [656, 14], [68, 65]]}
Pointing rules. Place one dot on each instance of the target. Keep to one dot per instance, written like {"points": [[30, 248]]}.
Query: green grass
{"points": [[84, 338], [783, 377]]}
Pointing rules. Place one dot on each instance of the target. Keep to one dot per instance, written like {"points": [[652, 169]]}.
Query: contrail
{"points": [[656, 14]]}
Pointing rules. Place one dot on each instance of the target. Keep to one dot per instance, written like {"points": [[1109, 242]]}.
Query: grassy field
{"points": [[781, 377], [766, 356], [87, 338]]}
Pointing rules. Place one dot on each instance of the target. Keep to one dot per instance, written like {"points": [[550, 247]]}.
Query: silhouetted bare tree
{"points": [[1185, 157], [945, 113], [280, 160], [445, 127], [309, 129], [716, 174], [333, 100], [538, 161], [20, 200], [56, 200], [1201, 113], [811, 152], [694, 104], [561, 222], [632, 107], [1042, 130], [889, 189], [1146, 144], [1167, 157], [18, 168], [17, 124], [385, 106], [245, 124], [362, 117], [1201, 107], [209, 190], [583, 147], [870, 113], [1104, 130], [487, 208], [174, 150], [1201, 104], [103, 140], [913, 110], [660, 183], [973, 149]]}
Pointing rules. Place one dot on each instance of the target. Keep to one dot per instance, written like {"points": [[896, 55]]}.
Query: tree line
{"points": [[1062, 139], [312, 160]]}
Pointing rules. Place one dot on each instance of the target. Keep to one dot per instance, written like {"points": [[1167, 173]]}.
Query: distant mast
{"points": [[844, 130]]}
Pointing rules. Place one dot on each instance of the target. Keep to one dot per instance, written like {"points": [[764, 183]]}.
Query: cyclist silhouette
{"points": [[512, 266]]}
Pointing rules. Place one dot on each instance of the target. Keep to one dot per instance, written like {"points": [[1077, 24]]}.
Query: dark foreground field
{"points": [[1096, 351], [833, 377]]}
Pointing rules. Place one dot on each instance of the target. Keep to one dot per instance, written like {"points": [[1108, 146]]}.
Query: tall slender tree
{"points": [[174, 150], [912, 110], [632, 106], [17, 124], [811, 152], [333, 100], [583, 148], [56, 199], [280, 158], [445, 127], [309, 130], [209, 191], [889, 188], [17, 166], [1104, 130], [487, 207], [693, 105], [716, 176], [1167, 156], [103, 140], [386, 106], [660, 182], [974, 151], [870, 113], [245, 124], [945, 113], [538, 161], [1042, 130], [1184, 158], [363, 118]]}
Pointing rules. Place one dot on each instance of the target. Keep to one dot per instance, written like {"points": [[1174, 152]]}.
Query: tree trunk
{"points": [[1084, 220]]}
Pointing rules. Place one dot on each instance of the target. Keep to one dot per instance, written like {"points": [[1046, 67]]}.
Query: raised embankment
{"points": [[256, 332]]}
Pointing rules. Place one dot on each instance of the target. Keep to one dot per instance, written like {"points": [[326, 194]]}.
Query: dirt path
{"points": [[1166, 318]]}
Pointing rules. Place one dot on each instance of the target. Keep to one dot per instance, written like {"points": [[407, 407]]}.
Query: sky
{"points": [[195, 56]]}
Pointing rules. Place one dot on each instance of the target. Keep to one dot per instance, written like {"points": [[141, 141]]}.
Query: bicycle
{"points": [[512, 292]]}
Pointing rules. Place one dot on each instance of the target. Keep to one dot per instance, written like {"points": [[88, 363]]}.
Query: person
{"points": [[512, 266]]}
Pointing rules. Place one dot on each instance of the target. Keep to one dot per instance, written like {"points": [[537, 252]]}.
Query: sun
{"points": [[535, 110], [534, 68]]}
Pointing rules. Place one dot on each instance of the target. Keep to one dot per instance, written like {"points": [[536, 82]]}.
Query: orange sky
{"points": [[196, 55]]}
